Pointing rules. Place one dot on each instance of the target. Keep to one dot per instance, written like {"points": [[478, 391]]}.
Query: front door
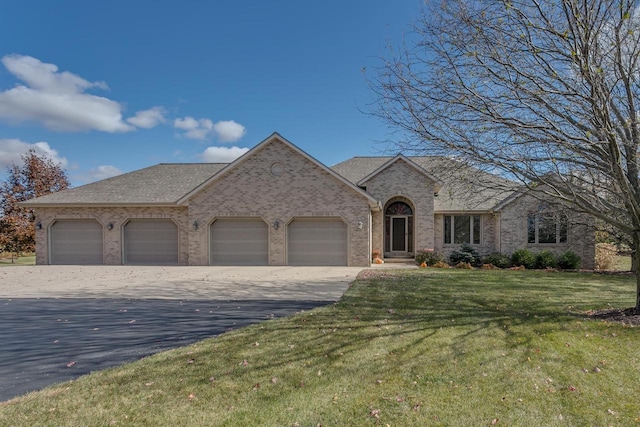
{"points": [[398, 230], [399, 234]]}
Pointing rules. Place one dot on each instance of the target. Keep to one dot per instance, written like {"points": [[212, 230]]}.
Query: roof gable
{"points": [[398, 158], [276, 138], [464, 187]]}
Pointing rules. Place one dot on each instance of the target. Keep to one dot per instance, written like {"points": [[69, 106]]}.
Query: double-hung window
{"points": [[459, 229], [547, 228]]}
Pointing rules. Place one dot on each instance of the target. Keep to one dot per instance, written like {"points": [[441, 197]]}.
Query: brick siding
{"points": [[303, 189]]}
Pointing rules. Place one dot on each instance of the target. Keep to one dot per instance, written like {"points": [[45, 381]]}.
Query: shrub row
{"points": [[467, 255]]}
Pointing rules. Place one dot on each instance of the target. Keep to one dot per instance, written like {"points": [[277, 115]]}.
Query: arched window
{"points": [[398, 208]]}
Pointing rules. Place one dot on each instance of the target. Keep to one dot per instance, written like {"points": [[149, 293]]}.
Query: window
{"points": [[459, 229], [399, 208], [547, 228]]}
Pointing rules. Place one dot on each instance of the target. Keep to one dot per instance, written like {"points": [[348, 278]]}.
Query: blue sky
{"points": [[106, 87]]}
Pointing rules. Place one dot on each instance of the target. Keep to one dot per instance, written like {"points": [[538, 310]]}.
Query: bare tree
{"points": [[545, 92], [37, 176]]}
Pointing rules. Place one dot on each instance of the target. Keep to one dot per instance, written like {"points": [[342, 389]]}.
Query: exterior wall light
{"points": [[39, 225], [359, 225], [110, 226], [276, 224], [195, 225]]}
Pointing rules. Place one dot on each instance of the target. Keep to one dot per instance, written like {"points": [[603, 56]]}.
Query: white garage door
{"points": [[76, 242], [317, 242], [239, 242], [151, 242]]}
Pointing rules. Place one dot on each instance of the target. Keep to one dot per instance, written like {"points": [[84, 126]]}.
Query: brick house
{"points": [[277, 205]]}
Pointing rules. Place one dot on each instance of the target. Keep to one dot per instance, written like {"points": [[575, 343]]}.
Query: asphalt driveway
{"points": [[60, 322]]}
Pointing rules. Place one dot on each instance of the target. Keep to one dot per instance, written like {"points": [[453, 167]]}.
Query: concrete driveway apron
{"points": [[60, 322]]}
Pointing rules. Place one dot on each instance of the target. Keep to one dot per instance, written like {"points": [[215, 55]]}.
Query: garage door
{"points": [[239, 242], [76, 242], [151, 242], [317, 242]]}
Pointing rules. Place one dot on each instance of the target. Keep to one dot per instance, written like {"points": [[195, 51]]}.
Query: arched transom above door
{"points": [[399, 208]]}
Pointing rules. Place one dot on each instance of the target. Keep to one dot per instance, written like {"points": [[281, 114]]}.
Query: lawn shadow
{"points": [[419, 305]]}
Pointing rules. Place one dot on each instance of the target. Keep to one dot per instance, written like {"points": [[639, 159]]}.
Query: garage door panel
{"points": [[151, 242], [317, 242], [77, 242], [239, 242]]}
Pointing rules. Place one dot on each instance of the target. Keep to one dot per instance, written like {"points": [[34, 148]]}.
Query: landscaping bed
{"points": [[627, 316]]}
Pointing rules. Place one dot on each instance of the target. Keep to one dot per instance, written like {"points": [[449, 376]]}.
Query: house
{"points": [[277, 205]]}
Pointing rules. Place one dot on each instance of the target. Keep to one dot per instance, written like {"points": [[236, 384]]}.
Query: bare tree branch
{"points": [[545, 92]]}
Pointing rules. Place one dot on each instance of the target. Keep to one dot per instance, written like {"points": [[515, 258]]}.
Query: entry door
{"points": [[399, 234]]}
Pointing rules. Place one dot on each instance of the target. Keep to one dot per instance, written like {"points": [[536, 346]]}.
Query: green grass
{"points": [[410, 348], [622, 263], [5, 260]]}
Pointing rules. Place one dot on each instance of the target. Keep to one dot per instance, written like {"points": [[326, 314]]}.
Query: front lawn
{"points": [[7, 259], [402, 348]]}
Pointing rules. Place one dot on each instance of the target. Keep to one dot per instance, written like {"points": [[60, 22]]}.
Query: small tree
{"points": [[35, 177], [466, 254]]}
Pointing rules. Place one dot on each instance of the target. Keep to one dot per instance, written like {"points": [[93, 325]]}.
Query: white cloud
{"points": [[11, 151], [194, 129], [39, 75], [202, 129], [222, 154], [100, 173], [58, 100], [188, 123], [229, 131], [148, 118]]}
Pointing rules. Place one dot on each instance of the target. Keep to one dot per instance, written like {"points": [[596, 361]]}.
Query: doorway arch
{"points": [[398, 228]]}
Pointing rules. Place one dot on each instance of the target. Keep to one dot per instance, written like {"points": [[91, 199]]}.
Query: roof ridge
{"points": [[191, 163], [394, 155]]}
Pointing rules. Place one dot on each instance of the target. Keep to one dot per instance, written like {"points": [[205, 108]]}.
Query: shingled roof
{"points": [[162, 184], [464, 188]]}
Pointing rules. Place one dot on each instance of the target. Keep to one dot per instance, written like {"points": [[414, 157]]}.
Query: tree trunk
{"points": [[637, 307], [635, 262]]}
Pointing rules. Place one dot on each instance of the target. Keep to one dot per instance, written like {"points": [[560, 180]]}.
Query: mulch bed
{"points": [[626, 316]]}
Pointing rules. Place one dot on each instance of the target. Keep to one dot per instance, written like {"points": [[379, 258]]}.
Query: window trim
{"points": [[452, 237], [560, 220]]}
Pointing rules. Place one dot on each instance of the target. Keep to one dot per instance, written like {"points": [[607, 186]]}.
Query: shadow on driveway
{"points": [[49, 340]]}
